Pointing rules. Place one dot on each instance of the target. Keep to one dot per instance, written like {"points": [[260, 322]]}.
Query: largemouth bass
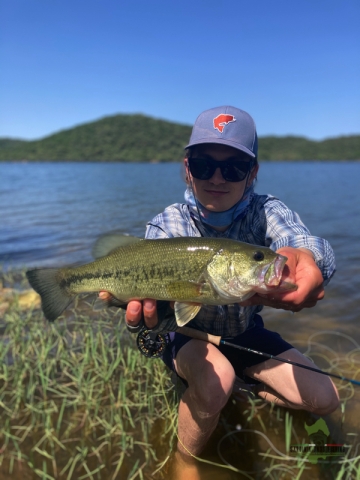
{"points": [[189, 270]]}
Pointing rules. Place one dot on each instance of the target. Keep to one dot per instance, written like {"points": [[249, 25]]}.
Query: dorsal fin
{"points": [[110, 241]]}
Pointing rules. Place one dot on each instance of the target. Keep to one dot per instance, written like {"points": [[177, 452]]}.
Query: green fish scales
{"points": [[185, 270], [143, 270]]}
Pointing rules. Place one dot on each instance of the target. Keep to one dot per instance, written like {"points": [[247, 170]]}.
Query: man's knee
{"points": [[213, 391], [321, 398], [209, 374], [325, 401], [296, 388]]}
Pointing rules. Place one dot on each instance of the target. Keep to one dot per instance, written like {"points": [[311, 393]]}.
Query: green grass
{"points": [[78, 401]]}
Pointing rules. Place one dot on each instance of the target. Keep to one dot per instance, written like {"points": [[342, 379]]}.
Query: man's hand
{"points": [[135, 309], [301, 270]]}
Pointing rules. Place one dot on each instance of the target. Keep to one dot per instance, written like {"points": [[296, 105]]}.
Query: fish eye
{"points": [[258, 256]]}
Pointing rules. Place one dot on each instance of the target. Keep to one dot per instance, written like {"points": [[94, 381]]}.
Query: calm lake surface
{"points": [[51, 214]]}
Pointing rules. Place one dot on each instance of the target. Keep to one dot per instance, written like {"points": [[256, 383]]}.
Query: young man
{"points": [[221, 167]]}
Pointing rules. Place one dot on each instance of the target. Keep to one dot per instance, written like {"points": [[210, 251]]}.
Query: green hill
{"points": [[138, 138], [300, 148]]}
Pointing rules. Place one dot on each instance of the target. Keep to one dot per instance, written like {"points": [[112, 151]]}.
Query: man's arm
{"points": [[310, 264], [284, 228]]}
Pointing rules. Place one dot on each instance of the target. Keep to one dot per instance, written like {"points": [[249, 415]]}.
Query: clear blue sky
{"points": [[293, 65]]}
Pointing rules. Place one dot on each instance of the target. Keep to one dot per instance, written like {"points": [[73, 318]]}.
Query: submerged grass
{"points": [[78, 401]]}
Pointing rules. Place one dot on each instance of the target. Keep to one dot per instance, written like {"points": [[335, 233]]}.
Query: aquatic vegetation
{"points": [[78, 401]]}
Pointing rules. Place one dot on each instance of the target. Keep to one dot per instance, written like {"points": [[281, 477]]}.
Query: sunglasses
{"points": [[232, 170]]}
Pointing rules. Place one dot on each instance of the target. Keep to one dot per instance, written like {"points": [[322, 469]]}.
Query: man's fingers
{"points": [[320, 293], [150, 313], [133, 313], [287, 301], [136, 309], [104, 295]]}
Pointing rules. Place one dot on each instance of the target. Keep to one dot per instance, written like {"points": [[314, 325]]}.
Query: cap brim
{"points": [[221, 141]]}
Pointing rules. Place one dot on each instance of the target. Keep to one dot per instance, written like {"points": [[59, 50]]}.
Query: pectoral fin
{"points": [[184, 312]]}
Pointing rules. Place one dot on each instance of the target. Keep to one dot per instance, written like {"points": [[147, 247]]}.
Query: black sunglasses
{"points": [[231, 170]]}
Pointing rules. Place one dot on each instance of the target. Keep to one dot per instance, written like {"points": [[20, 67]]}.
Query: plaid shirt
{"points": [[267, 222]]}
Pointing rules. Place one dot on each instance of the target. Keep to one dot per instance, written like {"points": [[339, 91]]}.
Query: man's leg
{"points": [[295, 387], [210, 377]]}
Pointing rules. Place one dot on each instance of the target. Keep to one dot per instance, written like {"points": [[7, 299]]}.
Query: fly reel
{"points": [[151, 344]]}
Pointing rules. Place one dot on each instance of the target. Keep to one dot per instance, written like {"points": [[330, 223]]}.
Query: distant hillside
{"points": [[138, 138], [128, 138], [300, 148]]}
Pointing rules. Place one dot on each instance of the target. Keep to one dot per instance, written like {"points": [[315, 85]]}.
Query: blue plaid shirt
{"points": [[267, 222]]}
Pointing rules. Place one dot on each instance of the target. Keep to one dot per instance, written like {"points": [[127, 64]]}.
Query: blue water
{"points": [[51, 213]]}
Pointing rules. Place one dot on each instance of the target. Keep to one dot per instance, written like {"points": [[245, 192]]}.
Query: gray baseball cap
{"points": [[228, 126]]}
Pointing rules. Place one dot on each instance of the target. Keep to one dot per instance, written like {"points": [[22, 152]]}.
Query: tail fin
{"points": [[54, 299]]}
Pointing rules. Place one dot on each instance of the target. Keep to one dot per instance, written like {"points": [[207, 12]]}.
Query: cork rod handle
{"points": [[207, 337]]}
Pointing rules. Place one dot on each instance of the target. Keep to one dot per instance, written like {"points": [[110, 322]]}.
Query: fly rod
{"points": [[215, 340]]}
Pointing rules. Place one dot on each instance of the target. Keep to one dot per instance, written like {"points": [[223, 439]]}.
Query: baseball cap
{"points": [[228, 126]]}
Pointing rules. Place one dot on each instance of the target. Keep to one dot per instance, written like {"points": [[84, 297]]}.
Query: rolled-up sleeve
{"points": [[285, 229]]}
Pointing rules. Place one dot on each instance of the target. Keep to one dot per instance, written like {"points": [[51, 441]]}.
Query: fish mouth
{"points": [[271, 273]]}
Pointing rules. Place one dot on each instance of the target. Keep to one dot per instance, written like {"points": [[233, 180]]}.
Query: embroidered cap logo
{"points": [[222, 120]]}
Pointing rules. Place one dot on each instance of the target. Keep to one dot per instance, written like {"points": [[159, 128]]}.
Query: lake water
{"points": [[51, 214]]}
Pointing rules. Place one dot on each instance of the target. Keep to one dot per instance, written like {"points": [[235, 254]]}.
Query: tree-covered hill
{"points": [[128, 138], [135, 138], [300, 148]]}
